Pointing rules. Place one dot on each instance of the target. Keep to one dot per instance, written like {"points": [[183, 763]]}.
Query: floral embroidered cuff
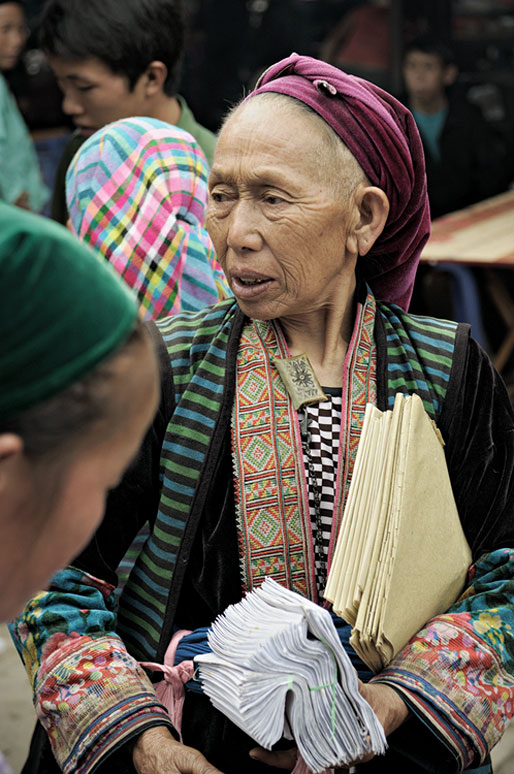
{"points": [[91, 694], [458, 683]]}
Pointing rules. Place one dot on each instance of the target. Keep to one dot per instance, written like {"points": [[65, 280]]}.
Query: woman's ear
{"points": [[11, 450], [373, 206], [155, 76]]}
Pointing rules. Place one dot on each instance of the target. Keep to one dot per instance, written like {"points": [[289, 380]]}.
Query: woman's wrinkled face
{"points": [[277, 221], [53, 515]]}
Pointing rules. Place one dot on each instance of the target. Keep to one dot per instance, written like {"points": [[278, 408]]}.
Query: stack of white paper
{"points": [[278, 668], [401, 555]]}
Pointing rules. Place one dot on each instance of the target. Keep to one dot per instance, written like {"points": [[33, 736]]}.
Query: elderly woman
{"points": [[137, 191], [318, 213]]}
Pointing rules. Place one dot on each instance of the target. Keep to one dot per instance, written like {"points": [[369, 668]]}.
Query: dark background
{"points": [[230, 42]]}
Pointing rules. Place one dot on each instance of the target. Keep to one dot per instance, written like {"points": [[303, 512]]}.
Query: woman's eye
{"points": [[273, 200], [221, 197]]}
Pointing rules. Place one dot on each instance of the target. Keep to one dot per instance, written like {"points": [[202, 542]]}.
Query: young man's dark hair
{"points": [[126, 35], [114, 59], [427, 44]]}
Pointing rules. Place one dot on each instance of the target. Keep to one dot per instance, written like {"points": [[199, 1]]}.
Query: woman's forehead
{"points": [[276, 142], [275, 130], [258, 158], [266, 112]]}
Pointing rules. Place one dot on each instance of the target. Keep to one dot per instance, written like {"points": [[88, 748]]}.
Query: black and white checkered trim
{"points": [[325, 428]]}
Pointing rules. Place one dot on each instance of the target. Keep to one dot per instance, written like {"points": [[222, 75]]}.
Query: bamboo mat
{"points": [[482, 234]]}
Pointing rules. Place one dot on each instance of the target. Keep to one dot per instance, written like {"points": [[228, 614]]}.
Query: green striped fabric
{"points": [[419, 358], [197, 346]]}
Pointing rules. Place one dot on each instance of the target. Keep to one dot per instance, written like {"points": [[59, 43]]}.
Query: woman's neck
{"points": [[429, 106], [323, 335]]}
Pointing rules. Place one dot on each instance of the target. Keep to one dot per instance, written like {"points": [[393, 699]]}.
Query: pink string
{"points": [[170, 691]]}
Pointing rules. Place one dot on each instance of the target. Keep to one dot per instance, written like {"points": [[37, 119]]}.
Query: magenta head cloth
{"points": [[382, 135]]}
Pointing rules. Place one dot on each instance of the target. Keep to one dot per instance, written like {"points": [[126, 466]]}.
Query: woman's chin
{"points": [[259, 311]]}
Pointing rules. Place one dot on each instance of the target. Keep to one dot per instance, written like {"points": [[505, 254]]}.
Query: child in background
{"points": [[465, 157], [20, 177], [465, 162], [115, 60]]}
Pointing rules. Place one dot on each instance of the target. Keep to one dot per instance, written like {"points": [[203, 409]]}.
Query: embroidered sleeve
{"points": [[458, 672], [89, 693]]}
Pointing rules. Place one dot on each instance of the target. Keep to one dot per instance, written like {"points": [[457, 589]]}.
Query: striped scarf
{"points": [[137, 192]]}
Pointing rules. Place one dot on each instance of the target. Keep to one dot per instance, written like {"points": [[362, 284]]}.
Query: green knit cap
{"points": [[62, 310]]}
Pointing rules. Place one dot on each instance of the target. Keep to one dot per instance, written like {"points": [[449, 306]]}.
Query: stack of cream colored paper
{"points": [[278, 668], [401, 556]]}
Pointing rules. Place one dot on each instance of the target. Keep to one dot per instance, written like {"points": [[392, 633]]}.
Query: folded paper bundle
{"points": [[278, 669], [401, 555]]}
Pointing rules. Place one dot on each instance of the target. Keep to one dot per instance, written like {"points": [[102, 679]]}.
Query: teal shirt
{"points": [[430, 127], [19, 166]]}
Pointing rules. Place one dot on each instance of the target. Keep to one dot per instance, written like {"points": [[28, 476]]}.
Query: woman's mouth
{"points": [[252, 281], [248, 287]]}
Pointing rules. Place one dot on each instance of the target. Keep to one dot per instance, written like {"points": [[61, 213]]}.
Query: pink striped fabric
{"points": [[137, 192]]}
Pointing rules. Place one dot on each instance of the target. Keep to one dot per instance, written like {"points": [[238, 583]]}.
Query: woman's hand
{"points": [[157, 752], [387, 704]]}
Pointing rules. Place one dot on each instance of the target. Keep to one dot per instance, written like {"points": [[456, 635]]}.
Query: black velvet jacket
{"points": [[477, 423], [473, 163]]}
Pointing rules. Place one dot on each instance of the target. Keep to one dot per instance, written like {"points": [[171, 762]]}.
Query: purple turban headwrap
{"points": [[382, 135]]}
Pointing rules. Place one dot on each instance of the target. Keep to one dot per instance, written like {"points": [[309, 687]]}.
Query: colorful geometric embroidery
{"points": [[273, 525], [275, 532], [71, 684], [86, 608], [89, 692]]}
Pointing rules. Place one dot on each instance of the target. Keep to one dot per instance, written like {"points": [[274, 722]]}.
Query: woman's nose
{"points": [[243, 231]]}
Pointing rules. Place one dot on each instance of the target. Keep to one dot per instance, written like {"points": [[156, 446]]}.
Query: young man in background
{"points": [[113, 60]]}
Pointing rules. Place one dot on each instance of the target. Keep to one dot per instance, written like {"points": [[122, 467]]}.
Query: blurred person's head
{"points": [[136, 192], [13, 33], [113, 59], [428, 70], [79, 389]]}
